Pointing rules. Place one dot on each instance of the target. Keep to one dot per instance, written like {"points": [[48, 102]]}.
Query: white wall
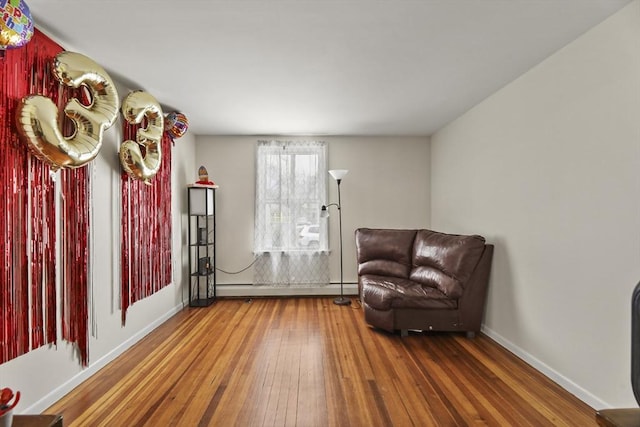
{"points": [[548, 169], [387, 186], [44, 375]]}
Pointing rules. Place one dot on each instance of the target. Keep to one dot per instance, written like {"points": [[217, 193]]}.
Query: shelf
{"points": [[196, 185], [196, 274], [201, 244], [202, 302]]}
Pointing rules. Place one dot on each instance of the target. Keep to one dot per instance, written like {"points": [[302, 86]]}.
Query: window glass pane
{"points": [[290, 188]]}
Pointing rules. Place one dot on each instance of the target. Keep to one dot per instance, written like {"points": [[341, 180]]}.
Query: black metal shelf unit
{"points": [[202, 244]]}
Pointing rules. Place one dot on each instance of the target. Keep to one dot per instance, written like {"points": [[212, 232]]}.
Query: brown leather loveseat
{"points": [[422, 279]]}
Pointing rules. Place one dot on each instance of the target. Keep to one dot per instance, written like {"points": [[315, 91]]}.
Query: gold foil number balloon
{"points": [[38, 117], [135, 107]]}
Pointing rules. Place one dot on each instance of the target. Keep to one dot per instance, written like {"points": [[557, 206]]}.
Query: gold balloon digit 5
{"points": [[135, 107], [38, 121]]}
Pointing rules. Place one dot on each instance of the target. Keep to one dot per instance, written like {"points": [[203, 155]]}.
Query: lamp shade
{"points": [[338, 174], [324, 212]]}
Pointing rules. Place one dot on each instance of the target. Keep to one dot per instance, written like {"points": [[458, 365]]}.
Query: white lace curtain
{"points": [[290, 240]]}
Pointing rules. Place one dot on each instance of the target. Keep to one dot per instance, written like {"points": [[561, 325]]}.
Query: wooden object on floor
{"points": [[618, 417], [309, 362], [43, 420]]}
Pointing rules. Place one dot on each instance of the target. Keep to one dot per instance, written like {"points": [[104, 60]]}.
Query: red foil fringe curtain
{"points": [[146, 230], [28, 221], [25, 187]]}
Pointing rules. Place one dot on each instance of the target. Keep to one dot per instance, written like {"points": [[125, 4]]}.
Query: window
{"points": [[290, 188], [290, 240]]}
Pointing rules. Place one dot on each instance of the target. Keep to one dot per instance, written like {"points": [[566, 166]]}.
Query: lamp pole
{"points": [[341, 300]]}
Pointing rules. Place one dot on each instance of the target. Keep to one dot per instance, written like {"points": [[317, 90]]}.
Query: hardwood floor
{"points": [[308, 362]]}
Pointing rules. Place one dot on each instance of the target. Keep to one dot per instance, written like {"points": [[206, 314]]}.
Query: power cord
{"points": [[239, 271]]}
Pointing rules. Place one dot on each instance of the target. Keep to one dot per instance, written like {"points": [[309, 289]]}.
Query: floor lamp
{"points": [[337, 174]]}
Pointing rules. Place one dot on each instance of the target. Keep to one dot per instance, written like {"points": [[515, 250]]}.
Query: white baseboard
{"points": [[269, 291], [58, 393], [555, 376]]}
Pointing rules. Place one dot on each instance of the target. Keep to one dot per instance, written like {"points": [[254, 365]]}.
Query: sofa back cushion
{"points": [[384, 251], [445, 261]]}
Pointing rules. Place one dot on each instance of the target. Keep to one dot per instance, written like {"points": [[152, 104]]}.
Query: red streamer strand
{"points": [[75, 258]]}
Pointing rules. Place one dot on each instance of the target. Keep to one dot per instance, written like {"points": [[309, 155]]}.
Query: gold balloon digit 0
{"points": [[38, 117], [135, 107]]}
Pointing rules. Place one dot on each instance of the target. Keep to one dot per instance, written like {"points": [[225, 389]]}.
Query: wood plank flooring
{"points": [[308, 362]]}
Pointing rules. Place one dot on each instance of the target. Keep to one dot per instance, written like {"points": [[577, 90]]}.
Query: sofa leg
{"points": [[404, 332], [471, 334]]}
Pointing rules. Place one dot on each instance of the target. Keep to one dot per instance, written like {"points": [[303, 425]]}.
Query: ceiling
{"points": [[318, 67]]}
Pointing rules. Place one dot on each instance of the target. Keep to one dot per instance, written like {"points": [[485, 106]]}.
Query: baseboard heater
{"points": [[249, 290]]}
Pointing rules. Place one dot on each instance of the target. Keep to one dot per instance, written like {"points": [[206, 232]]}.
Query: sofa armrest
{"points": [[473, 300]]}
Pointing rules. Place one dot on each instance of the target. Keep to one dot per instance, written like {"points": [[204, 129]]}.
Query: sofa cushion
{"points": [[384, 267], [385, 251], [385, 293], [454, 255], [435, 278]]}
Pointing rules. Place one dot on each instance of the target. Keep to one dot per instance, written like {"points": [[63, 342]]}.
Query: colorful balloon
{"points": [[16, 25], [176, 124]]}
